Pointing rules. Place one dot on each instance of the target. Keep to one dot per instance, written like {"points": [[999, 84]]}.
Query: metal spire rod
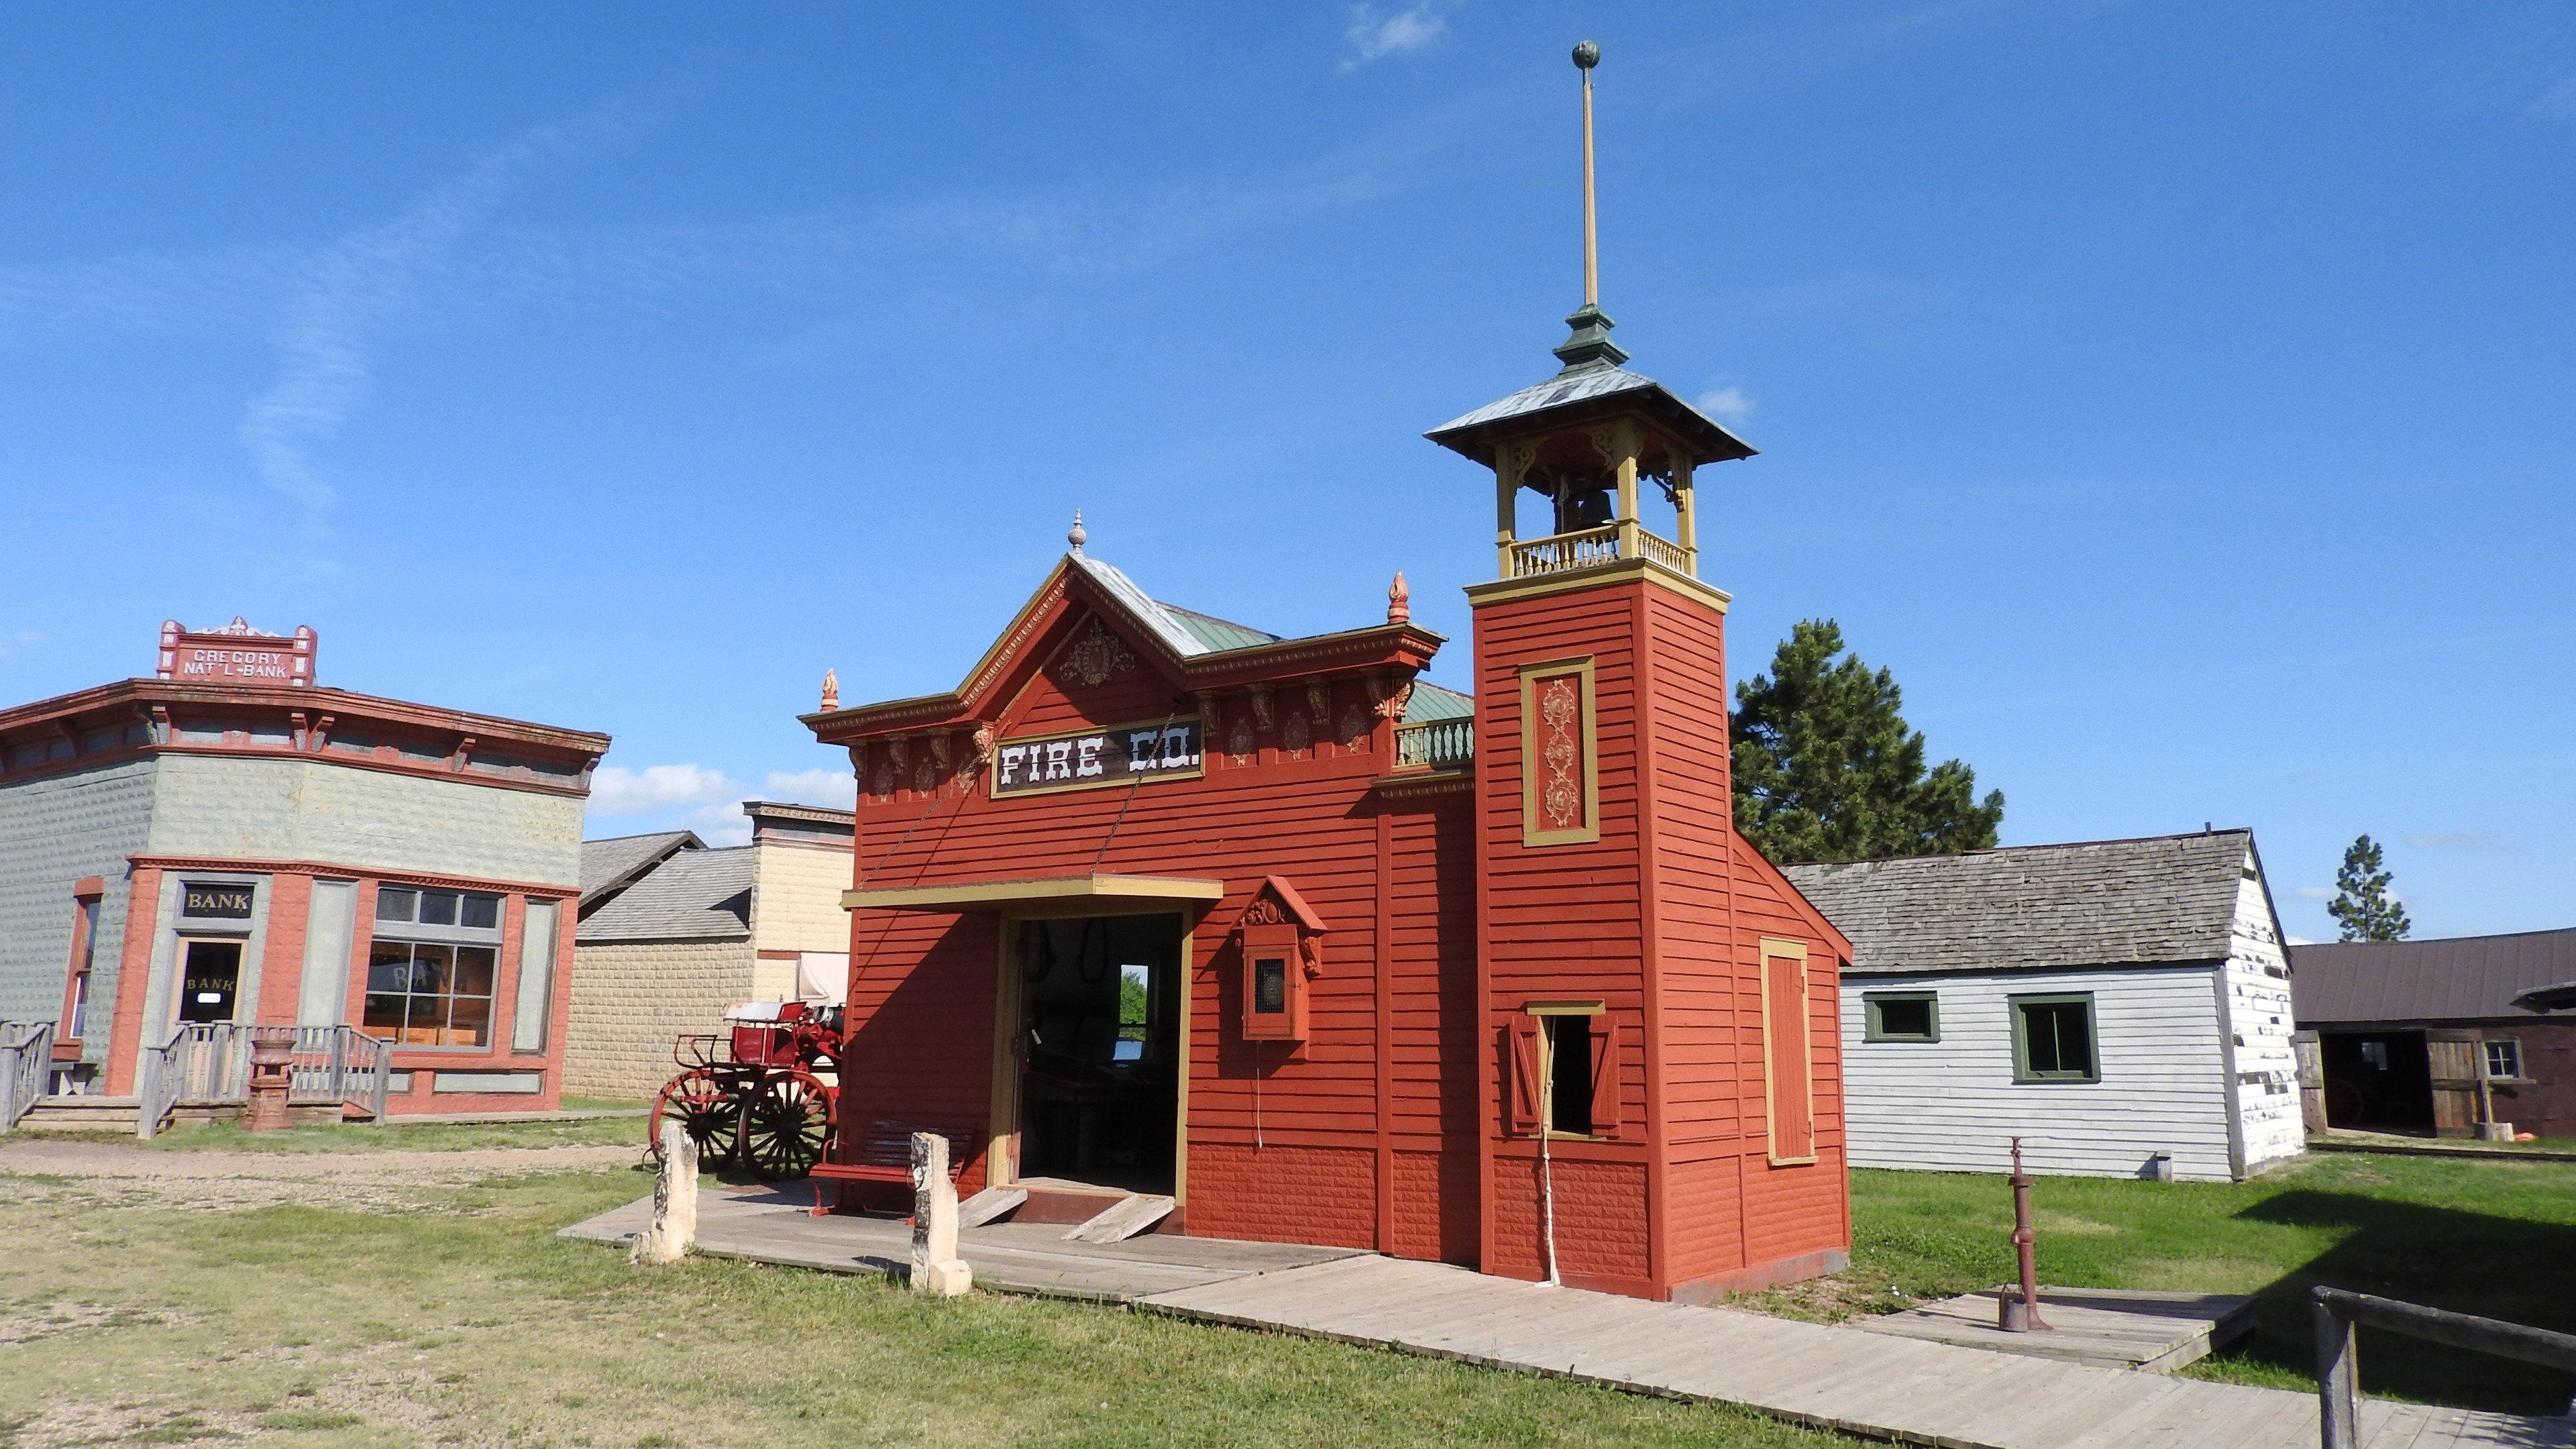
{"points": [[1586, 56]]}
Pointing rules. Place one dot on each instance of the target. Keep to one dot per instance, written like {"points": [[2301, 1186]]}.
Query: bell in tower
{"points": [[1585, 439]]}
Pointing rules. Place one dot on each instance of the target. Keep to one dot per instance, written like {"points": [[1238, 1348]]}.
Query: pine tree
{"points": [[1825, 768], [2362, 905]]}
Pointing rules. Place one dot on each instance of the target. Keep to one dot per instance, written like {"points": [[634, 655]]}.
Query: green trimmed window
{"points": [[2053, 1039], [1902, 1015]]}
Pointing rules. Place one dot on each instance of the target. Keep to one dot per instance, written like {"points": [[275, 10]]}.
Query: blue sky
{"points": [[2177, 398]]}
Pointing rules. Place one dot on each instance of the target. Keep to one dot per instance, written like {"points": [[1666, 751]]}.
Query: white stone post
{"points": [[675, 1200], [936, 1268]]}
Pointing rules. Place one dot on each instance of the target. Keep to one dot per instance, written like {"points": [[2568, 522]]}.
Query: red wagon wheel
{"points": [[699, 1101], [786, 1125]]}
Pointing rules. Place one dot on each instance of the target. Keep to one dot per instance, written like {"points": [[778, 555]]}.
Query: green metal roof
{"points": [[1214, 634], [1430, 702]]}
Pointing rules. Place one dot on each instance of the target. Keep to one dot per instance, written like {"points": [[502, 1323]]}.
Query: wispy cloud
{"points": [[1727, 404], [2316, 893], [836, 788], [1374, 34], [346, 297], [617, 790], [2471, 842]]}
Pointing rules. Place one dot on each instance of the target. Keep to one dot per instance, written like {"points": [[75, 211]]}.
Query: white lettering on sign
{"points": [[1108, 757]]}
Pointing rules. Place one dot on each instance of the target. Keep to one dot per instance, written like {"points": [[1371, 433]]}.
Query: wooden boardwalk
{"points": [[1874, 1384], [2114, 1328]]}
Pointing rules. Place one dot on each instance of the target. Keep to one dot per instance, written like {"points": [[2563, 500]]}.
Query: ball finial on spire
{"points": [[1586, 55], [1399, 601], [1077, 535]]}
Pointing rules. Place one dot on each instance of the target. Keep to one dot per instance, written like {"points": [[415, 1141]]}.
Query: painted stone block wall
{"points": [[54, 830], [630, 1000], [797, 894], [284, 809], [2260, 1023]]}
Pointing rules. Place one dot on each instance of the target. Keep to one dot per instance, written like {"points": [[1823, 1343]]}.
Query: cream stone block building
{"points": [[673, 932]]}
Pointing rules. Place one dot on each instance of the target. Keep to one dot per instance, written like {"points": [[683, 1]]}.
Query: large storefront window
{"points": [[432, 967]]}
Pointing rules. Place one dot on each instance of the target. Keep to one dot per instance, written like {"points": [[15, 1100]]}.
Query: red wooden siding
{"points": [[1326, 1140]]}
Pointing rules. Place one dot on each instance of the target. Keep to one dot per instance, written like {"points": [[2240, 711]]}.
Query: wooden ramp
{"points": [[1875, 1384], [2109, 1327]]}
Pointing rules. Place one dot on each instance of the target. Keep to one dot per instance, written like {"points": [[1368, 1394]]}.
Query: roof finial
{"points": [[1076, 534], [831, 690], [1590, 346], [1399, 601]]}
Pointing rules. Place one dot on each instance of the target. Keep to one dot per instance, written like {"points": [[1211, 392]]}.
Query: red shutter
{"points": [[1520, 1063], [1605, 1076]]}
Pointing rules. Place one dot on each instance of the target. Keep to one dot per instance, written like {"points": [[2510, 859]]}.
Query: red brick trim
{"points": [[367, 872]]}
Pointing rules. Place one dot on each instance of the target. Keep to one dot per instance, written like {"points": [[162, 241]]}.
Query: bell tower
{"points": [[1618, 987]]}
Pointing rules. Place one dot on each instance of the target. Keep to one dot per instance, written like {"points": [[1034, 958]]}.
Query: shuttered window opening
{"points": [[2053, 1039], [1564, 1070]]}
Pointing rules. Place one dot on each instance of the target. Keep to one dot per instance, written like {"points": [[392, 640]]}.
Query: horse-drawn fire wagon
{"points": [[761, 1095]]}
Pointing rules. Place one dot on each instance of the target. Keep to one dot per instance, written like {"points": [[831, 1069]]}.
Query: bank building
{"points": [[226, 850]]}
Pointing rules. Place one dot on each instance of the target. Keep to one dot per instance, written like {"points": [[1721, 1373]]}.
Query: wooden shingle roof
{"points": [[2096, 903], [694, 895]]}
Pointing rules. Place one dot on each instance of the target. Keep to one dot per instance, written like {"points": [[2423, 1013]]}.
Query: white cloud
{"points": [[838, 789], [1726, 404], [617, 790], [2298, 940], [2473, 842], [2316, 893], [722, 823], [1373, 34]]}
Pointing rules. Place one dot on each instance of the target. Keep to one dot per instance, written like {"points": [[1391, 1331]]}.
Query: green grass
{"points": [[425, 1136], [2491, 1238], [468, 1321]]}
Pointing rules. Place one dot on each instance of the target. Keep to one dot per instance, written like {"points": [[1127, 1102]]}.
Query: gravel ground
{"points": [[124, 1175]]}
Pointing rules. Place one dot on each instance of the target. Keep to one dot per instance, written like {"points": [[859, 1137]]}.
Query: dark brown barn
{"points": [[2440, 1036]]}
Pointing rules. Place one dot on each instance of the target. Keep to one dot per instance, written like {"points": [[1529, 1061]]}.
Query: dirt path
{"points": [[122, 1174]]}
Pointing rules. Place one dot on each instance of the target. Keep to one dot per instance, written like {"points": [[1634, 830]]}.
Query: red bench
{"points": [[886, 1153]]}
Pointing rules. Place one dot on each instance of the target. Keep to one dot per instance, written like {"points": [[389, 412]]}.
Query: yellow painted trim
{"points": [[1598, 575], [993, 767], [1003, 1138], [1590, 830], [1181, 1090], [1565, 1008], [1141, 888], [1772, 948]]}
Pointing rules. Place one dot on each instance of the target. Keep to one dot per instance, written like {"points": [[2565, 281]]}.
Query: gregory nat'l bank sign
{"points": [[1121, 754]]}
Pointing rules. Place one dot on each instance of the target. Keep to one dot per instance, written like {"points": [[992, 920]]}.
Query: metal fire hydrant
{"points": [[272, 1076]]}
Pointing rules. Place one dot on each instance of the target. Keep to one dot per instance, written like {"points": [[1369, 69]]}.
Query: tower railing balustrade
{"points": [[1584, 548]]}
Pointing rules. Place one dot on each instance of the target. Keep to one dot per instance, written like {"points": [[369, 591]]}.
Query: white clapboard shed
{"points": [[2123, 1005]]}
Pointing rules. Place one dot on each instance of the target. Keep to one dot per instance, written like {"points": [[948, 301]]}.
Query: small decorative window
{"points": [[1902, 1015], [1282, 945], [2504, 1060], [2053, 1039]]}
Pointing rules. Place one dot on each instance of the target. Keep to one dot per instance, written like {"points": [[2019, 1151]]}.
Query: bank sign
{"points": [[1153, 750]]}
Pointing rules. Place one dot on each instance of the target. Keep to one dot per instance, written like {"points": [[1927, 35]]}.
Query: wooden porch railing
{"points": [[2338, 1312], [208, 1064], [26, 1060]]}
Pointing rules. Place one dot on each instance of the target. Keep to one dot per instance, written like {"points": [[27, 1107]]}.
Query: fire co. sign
{"points": [[1152, 750]]}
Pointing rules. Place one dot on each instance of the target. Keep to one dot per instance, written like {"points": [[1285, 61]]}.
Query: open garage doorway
{"points": [[1100, 1051]]}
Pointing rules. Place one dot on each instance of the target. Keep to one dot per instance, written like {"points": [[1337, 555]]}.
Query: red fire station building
{"points": [[1153, 903]]}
